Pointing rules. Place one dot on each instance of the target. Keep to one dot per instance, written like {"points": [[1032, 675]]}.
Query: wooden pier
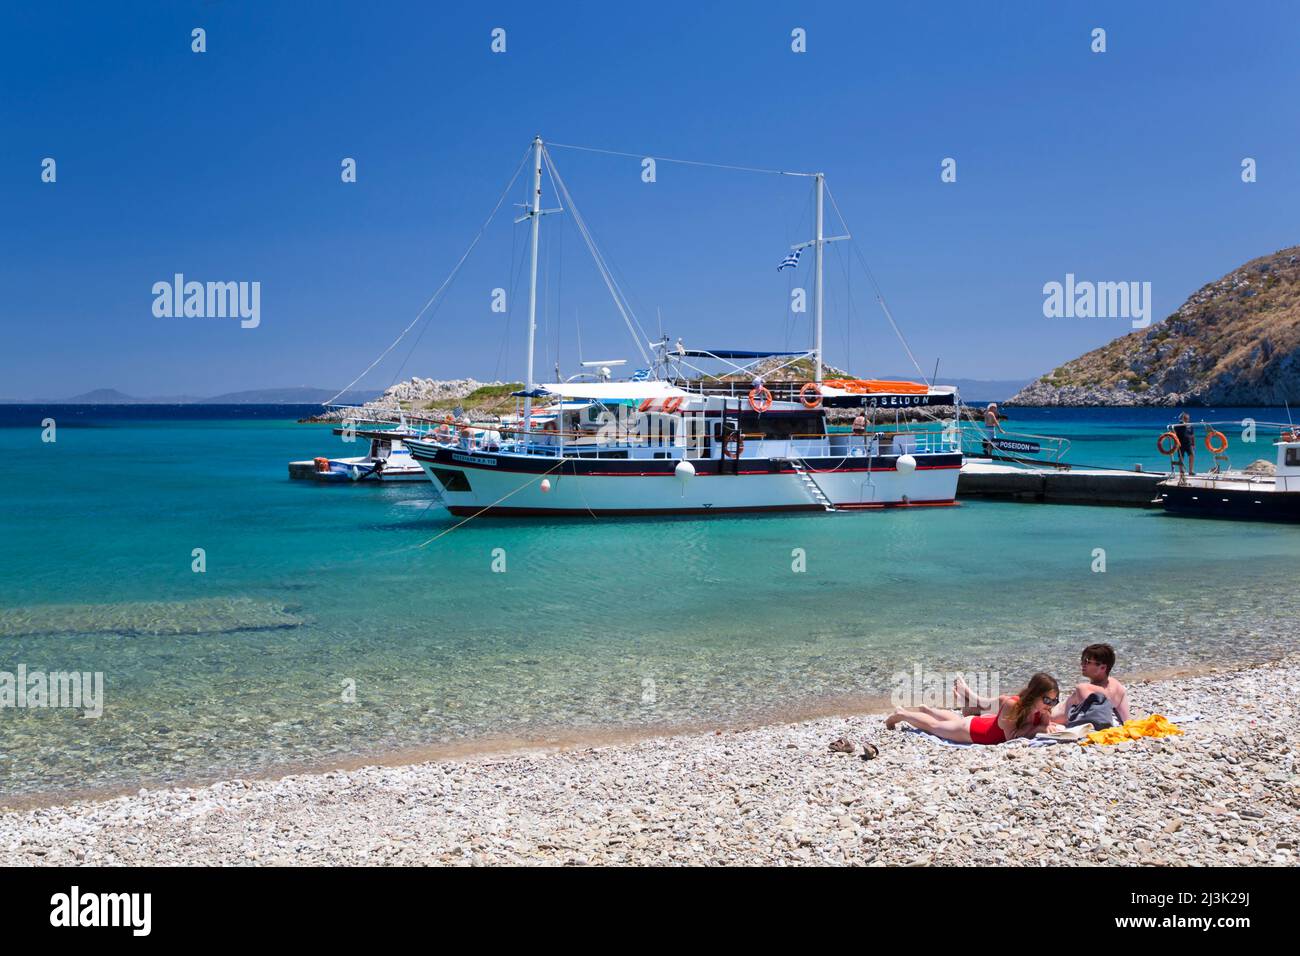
{"points": [[1060, 485]]}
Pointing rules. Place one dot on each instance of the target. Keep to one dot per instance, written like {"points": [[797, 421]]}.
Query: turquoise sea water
{"points": [[595, 625]]}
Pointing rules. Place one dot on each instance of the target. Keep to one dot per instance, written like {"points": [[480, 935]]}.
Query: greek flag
{"points": [[641, 375], [791, 260]]}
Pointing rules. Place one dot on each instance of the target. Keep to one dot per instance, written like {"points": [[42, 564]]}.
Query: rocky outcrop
{"points": [[420, 391], [1235, 341], [413, 396]]}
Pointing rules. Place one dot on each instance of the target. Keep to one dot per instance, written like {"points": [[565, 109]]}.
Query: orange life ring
{"points": [[322, 464], [1216, 447], [736, 440], [1173, 443], [646, 405], [672, 404], [813, 389], [760, 399]]}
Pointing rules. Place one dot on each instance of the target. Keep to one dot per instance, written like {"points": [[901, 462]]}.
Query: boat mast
{"points": [[819, 242], [535, 214]]}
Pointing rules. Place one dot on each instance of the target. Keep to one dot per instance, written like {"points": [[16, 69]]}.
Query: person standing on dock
{"points": [[992, 422], [1185, 432]]}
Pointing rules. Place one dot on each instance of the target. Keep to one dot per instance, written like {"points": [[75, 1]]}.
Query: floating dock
{"points": [[982, 478]]}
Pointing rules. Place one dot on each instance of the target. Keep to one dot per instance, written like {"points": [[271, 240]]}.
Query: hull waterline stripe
{"points": [[506, 512]]}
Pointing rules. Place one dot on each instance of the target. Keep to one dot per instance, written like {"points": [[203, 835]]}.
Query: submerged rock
{"points": [[204, 616]]}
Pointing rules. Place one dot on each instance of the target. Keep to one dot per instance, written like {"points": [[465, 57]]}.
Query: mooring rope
{"points": [[470, 518]]}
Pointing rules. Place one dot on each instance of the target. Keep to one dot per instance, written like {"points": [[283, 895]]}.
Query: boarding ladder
{"points": [[810, 484]]}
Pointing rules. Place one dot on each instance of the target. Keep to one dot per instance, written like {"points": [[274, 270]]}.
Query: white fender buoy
{"points": [[684, 472], [906, 464], [546, 485]]}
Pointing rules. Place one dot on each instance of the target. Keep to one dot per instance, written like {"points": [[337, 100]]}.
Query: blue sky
{"points": [[225, 166]]}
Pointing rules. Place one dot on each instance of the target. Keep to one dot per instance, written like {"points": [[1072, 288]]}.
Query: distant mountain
{"points": [[288, 396], [975, 390], [262, 396], [102, 396], [1235, 341]]}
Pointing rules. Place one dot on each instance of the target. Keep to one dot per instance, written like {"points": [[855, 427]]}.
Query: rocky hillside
{"points": [[1235, 341], [420, 397]]}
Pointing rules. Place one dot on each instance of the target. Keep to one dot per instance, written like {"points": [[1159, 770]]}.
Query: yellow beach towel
{"points": [[1153, 726]]}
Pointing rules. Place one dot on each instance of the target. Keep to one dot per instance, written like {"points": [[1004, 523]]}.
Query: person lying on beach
{"points": [[1095, 661], [1018, 715]]}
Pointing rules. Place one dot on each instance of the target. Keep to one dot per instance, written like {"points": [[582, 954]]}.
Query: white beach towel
{"points": [[937, 740]]}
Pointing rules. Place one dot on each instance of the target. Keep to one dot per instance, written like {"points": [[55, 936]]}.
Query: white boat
{"points": [[679, 440]]}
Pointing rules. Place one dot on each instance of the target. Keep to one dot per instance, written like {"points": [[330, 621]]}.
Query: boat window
{"points": [[380, 448], [451, 480], [781, 427], [1293, 457]]}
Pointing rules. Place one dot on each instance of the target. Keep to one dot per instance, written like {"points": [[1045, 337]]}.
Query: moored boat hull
{"points": [[1230, 503], [469, 482]]}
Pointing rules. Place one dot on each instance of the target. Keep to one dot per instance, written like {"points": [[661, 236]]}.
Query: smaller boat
{"points": [[387, 460], [1251, 494]]}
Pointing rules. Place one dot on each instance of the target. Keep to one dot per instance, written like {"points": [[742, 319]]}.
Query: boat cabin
{"points": [[1288, 465]]}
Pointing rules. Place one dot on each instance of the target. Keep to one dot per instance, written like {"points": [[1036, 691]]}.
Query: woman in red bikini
{"points": [[1018, 715]]}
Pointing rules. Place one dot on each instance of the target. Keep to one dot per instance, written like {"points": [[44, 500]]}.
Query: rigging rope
{"points": [[620, 300], [683, 162], [880, 296], [446, 282]]}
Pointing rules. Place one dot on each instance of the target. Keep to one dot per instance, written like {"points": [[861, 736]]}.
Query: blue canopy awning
{"points": [[736, 353]]}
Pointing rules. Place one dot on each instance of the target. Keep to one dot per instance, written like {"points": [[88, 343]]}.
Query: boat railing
{"points": [[1246, 426], [877, 442], [978, 441], [781, 391], [1205, 433]]}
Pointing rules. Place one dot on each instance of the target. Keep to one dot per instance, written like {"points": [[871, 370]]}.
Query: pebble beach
{"points": [[1226, 792]]}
